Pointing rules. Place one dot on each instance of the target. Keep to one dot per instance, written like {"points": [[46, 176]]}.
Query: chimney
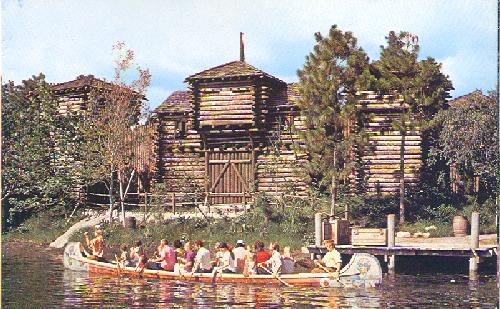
{"points": [[242, 48]]}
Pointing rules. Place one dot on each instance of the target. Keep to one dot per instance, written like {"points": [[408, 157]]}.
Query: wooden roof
{"points": [[80, 82], [231, 70], [178, 102]]}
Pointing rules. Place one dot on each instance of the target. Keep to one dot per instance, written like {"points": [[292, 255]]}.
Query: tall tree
{"points": [[332, 73], [469, 139], [420, 86], [33, 178], [114, 141]]}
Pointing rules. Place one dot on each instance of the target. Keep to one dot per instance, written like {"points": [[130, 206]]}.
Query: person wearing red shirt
{"points": [[261, 255]]}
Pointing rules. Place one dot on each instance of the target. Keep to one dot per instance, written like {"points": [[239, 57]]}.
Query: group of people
{"points": [[194, 257]]}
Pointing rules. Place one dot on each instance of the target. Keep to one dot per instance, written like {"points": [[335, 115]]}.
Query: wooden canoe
{"points": [[363, 270]]}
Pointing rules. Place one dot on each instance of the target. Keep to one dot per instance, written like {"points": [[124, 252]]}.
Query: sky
{"points": [[175, 39]]}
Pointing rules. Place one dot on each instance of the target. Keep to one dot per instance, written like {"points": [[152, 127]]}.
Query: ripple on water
{"points": [[34, 277]]}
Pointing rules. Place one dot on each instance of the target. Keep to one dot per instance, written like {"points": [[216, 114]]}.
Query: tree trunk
{"points": [[402, 171], [334, 186], [111, 196], [334, 195], [123, 194], [120, 183]]}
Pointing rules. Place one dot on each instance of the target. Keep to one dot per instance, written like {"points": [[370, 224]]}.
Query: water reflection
{"points": [[29, 281]]}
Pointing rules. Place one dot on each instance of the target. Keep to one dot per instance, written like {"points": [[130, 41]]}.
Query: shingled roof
{"points": [[234, 69], [80, 82], [178, 102]]}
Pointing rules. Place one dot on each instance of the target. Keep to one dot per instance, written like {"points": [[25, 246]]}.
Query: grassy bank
{"points": [[42, 228], [287, 230]]}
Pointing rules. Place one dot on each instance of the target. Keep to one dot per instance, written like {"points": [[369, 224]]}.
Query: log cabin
{"points": [[232, 133], [235, 132], [73, 98]]}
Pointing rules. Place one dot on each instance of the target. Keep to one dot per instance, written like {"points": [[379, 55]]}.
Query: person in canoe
{"points": [[122, 260], [261, 255], [274, 262], [288, 261], [139, 257], [227, 263], [187, 260], [96, 245], [202, 262], [166, 260], [240, 255], [331, 262]]}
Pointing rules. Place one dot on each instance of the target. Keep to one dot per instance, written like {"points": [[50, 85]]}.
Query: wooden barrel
{"points": [[460, 226], [130, 223]]}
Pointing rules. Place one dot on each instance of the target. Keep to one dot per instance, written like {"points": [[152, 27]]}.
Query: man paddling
{"points": [[331, 262], [96, 245]]}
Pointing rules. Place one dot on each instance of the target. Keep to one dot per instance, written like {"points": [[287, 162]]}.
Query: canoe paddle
{"points": [[333, 275], [276, 276], [216, 271]]}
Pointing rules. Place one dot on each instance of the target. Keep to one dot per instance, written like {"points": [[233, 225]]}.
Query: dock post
{"points": [[391, 266], [474, 231], [391, 240], [474, 244], [391, 230], [318, 229]]}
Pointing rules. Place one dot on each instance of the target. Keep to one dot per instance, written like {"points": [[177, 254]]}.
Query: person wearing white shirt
{"points": [[275, 261], [202, 261], [227, 265], [240, 255]]}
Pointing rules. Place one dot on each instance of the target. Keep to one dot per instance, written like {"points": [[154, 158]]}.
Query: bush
{"points": [[487, 213]]}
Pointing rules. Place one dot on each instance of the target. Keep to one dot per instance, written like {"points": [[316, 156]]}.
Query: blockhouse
{"points": [[232, 133]]}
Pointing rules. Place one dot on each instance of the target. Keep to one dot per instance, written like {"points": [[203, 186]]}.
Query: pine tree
{"points": [[331, 75], [421, 86]]}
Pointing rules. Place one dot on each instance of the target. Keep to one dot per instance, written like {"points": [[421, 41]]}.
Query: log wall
{"points": [[381, 160]]}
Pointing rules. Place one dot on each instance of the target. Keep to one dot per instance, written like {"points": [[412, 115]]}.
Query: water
{"points": [[33, 277]]}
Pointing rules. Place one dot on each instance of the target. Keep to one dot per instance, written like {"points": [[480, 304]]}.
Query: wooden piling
{"points": [[391, 240], [391, 230], [474, 231], [318, 235], [474, 244]]}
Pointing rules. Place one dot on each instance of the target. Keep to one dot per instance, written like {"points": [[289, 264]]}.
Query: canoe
{"points": [[363, 270]]}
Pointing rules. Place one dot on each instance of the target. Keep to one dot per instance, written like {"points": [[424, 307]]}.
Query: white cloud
{"points": [[178, 38]]}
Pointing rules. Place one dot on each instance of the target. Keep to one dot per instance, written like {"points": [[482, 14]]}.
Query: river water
{"points": [[34, 277]]}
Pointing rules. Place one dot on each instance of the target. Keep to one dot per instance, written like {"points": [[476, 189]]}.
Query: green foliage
{"points": [[443, 229], [487, 213], [443, 213], [42, 227], [468, 138], [332, 73], [36, 140], [292, 227], [420, 85]]}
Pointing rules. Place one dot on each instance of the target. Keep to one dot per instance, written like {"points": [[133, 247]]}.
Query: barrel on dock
{"points": [[130, 223], [460, 226]]}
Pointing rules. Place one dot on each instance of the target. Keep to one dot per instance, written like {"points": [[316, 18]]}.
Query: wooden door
{"points": [[229, 176]]}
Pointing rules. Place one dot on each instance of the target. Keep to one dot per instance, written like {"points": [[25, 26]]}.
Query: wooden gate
{"points": [[229, 176]]}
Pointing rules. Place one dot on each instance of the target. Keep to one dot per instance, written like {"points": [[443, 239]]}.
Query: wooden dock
{"points": [[481, 252], [475, 247]]}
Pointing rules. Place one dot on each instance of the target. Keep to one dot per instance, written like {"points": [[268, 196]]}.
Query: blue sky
{"points": [[174, 39]]}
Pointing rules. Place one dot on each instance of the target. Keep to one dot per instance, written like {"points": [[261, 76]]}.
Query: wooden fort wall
{"points": [[380, 172], [261, 148]]}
